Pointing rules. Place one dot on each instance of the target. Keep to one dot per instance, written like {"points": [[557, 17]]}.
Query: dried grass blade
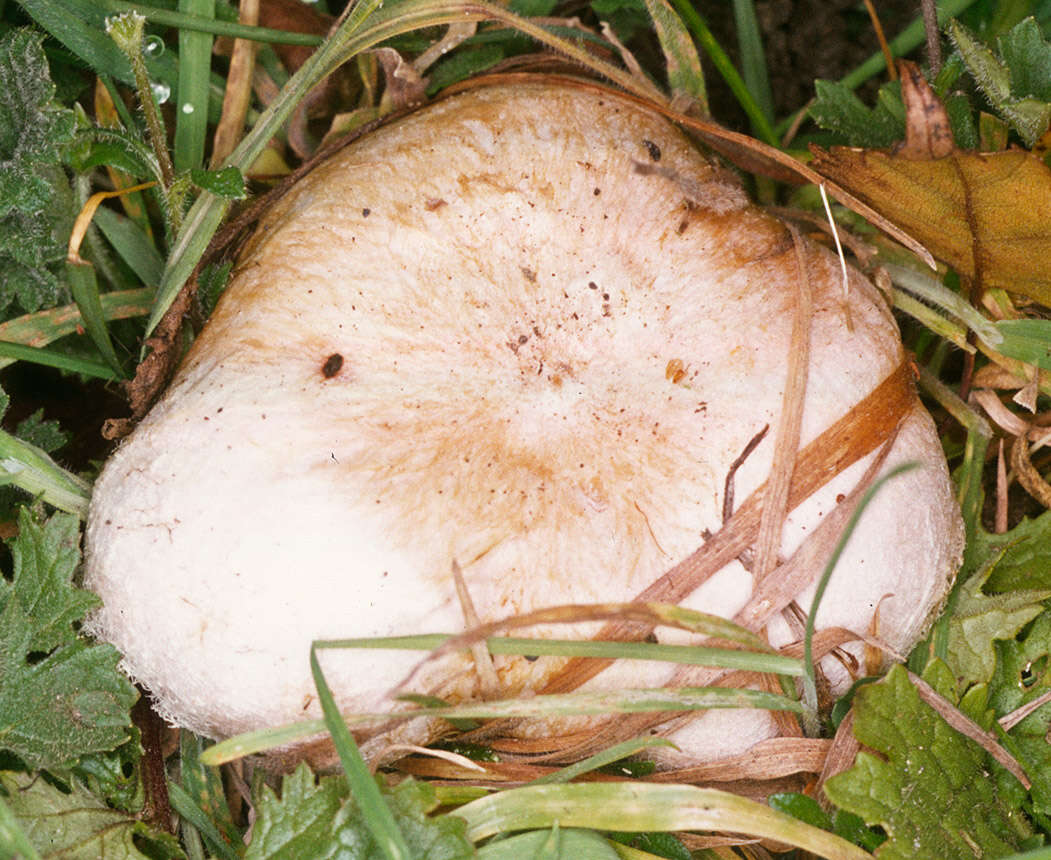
{"points": [[789, 428], [238, 94], [768, 759]]}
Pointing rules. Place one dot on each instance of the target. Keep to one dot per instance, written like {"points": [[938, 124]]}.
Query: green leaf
{"points": [[978, 619], [47, 435], [930, 790], [60, 698], [1005, 82], [681, 60], [226, 182], [36, 206], [801, 806], [77, 825], [318, 819], [1023, 673], [554, 844], [624, 16], [837, 109], [1022, 556], [1027, 56], [32, 129], [1026, 340], [115, 776]]}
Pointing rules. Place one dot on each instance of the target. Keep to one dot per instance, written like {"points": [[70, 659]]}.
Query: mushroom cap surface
{"points": [[483, 334]]}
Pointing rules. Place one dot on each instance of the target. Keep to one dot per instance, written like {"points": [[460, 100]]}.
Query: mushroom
{"points": [[526, 331]]}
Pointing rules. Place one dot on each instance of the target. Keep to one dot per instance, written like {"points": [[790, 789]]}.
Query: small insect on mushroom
{"points": [[221, 549]]}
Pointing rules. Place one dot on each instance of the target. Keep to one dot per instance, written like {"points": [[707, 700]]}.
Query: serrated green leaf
{"points": [[978, 619], [801, 806], [226, 182], [1023, 673], [32, 130], [60, 698], [1005, 85], [115, 776], [318, 819], [77, 825], [836, 108], [47, 435], [659, 844], [931, 789], [1027, 56]]}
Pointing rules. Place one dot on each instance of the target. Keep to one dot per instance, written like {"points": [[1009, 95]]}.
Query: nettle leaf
{"points": [[32, 130], [1023, 556], [60, 698], [1027, 56], [1023, 673], [1015, 83], [226, 182], [836, 108], [77, 825], [979, 619], [317, 818], [930, 788]]}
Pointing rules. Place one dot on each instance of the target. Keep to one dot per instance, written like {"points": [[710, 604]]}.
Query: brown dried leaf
{"points": [[988, 215]]}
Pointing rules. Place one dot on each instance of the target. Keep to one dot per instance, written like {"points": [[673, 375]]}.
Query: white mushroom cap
{"points": [[461, 339]]}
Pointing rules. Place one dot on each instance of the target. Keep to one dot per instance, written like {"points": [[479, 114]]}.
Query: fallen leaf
{"points": [[988, 215]]}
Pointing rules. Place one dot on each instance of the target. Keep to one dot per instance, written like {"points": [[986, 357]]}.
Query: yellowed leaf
{"points": [[988, 215]]}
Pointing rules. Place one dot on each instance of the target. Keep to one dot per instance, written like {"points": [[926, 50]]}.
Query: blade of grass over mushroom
{"points": [[27, 467], [374, 809], [44, 327], [191, 104], [627, 807], [810, 678], [725, 658], [549, 705], [367, 25], [607, 757]]}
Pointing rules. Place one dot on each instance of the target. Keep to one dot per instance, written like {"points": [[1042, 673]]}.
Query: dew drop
{"points": [[153, 46], [187, 108], [161, 92]]}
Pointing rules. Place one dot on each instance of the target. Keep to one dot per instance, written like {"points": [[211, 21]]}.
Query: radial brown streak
{"points": [[855, 435]]}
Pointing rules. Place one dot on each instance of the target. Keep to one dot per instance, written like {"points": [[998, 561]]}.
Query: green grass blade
{"points": [[50, 358], [84, 38], [564, 704], [640, 807], [214, 26], [132, 243], [44, 327], [753, 56], [27, 467], [727, 71], [810, 677], [725, 658], [373, 807], [183, 804], [607, 757], [191, 104], [85, 289]]}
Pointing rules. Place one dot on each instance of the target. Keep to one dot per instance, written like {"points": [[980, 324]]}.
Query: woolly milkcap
{"points": [[527, 330]]}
